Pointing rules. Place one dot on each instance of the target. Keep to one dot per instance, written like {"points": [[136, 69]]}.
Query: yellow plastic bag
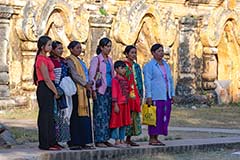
{"points": [[149, 115]]}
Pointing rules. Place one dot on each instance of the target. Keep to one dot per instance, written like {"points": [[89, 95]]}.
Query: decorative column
{"points": [[28, 54], [186, 84], [5, 15], [99, 27], [209, 74]]}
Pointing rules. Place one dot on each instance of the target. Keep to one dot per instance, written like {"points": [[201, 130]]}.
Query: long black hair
{"points": [[103, 42], [42, 41]]}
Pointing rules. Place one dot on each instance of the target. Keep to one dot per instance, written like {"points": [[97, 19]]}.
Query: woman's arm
{"points": [[75, 76], [48, 81], [147, 83], [92, 70]]}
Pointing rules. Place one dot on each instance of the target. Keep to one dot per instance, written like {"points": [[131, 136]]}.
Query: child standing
{"points": [[120, 117]]}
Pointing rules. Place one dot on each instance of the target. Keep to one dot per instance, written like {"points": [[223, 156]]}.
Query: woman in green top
{"points": [[134, 76]]}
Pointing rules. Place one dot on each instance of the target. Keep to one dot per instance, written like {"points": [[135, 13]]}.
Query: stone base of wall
{"points": [[18, 101], [201, 100]]}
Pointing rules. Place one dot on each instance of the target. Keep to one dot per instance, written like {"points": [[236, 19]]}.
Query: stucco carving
{"points": [[129, 21], [214, 24], [37, 19]]}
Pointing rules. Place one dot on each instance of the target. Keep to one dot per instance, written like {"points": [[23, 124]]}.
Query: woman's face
{"points": [[158, 54], [106, 49], [48, 47], [76, 51], [132, 55], [58, 50]]}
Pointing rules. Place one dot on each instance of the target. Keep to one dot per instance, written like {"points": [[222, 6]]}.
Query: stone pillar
{"points": [[209, 74], [99, 27], [186, 85], [189, 83], [5, 15], [28, 54]]}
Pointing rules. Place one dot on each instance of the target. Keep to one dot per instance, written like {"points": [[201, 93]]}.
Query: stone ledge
{"points": [[177, 146], [17, 101]]}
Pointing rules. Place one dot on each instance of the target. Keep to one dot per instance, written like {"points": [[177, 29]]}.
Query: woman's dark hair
{"points": [[72, 44], [42, 41], [119, 63], [156, 47], [54, 45], [128, 49], [103, 42]]}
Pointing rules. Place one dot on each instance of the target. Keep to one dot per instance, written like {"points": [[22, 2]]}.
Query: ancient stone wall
{"points": [[200, 37]]}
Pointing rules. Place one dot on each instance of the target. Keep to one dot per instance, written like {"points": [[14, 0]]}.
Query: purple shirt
{"points": [[102, 69]]}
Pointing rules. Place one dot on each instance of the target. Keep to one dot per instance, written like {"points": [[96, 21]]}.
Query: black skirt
{"points": [[80, 127], [46, 127]]}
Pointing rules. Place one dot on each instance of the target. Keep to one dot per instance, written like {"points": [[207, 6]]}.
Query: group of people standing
{"points": [[65, 86]]}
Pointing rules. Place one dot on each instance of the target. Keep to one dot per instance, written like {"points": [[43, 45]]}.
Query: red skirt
{"points": [[134, 104], [123, 118]]}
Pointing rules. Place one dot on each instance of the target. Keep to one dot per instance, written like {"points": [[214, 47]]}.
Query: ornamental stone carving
{"points": [[129, 21]]}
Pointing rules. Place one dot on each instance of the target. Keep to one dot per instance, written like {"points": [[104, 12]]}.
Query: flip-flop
{"points": [[102, 145], [163, 144], [131, 143], [156, 144], [75, 148], [87, 147], [108, 144]]}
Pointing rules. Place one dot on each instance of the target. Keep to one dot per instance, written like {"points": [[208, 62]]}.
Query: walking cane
{"points": [[90, 115]]}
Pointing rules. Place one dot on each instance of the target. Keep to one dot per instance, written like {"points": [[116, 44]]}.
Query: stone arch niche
{"points": [[54, 18], [221, 55], [228, 61], [144, 24]]}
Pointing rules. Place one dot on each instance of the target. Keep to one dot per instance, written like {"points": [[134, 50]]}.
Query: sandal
{"points": [[131, 143], [156, 144], [102, 145], [52, 148], [86, 147], [75, 148], [162, 144], [108, 144], [58, 146]]}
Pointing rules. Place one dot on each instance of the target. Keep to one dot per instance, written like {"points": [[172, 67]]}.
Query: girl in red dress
{"points": [[120, 117]]}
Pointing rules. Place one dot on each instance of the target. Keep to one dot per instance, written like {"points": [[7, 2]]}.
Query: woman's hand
{"points": [[94, 95], [149, 101], [56, 96], [88, 86], [116, 108], [172, 100]]}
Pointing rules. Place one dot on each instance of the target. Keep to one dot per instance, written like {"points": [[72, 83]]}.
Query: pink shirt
{"points": [[102, 69], [164, 74], [47, 61]]}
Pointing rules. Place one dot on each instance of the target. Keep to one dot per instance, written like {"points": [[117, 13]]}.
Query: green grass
{"points": [[214, 117], [19, 113], [219, 154], [23, 135]]}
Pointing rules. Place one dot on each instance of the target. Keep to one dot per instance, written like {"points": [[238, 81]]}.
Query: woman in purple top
{"points": [[102, 95], [159, 88]]}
